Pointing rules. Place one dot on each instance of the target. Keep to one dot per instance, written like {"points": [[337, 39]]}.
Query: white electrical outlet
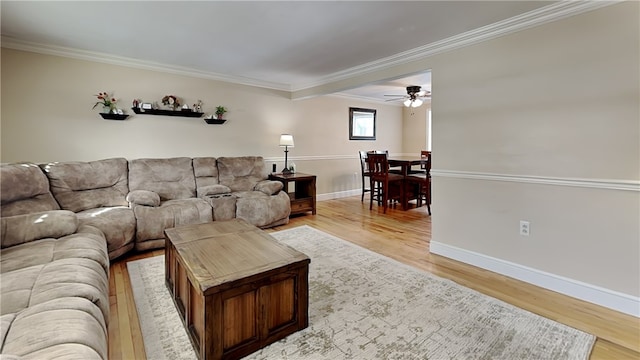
{"points": [[525, 228]]}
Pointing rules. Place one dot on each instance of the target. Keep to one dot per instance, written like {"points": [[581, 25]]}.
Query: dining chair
{"points": [[423, 180], [384, 185], [392, 169], [364, 171], [424, 155]]}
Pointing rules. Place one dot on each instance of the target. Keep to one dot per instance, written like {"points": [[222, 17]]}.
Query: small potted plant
{"points": [[108, 102], [109, 109], [220, 110]]}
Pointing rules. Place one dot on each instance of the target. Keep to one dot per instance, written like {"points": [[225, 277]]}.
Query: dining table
{"points": [[406, 163]]}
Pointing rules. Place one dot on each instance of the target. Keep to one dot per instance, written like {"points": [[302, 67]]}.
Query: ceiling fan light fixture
{"points": [[412, 99], [413, 90]]}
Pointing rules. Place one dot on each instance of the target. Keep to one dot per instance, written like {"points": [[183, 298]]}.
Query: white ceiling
{"points": [[286, 45]]}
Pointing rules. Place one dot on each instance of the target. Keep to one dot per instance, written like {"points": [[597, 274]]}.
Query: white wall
{"points": [[47, 116], [414, 132], [525, 127]]}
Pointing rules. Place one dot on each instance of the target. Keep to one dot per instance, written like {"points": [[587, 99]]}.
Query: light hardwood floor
{"points": [[404, 236]]}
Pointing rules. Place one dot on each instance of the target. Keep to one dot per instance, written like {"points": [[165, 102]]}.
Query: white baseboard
{"points": [[338, 195], [591, 293]]}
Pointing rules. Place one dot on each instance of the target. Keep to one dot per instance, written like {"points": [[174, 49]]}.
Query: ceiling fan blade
{"points": [[396, 95], [396, 99]]}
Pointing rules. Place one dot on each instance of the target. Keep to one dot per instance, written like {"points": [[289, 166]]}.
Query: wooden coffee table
{"points": [[237, 289]]}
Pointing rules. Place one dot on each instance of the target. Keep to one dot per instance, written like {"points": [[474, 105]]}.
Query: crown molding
{"points": [[11, 43], [553, 12], [363, 98]]}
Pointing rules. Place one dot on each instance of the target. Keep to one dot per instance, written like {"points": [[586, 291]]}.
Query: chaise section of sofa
{"points": [[53, 287], [258, 200], [96, 191], [163, 195]]}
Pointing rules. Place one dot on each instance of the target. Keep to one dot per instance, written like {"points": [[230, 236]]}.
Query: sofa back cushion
{"points": [[241, 173], [24, 228], [24, 189], [206, 171], [88, 185], [171, 178]]}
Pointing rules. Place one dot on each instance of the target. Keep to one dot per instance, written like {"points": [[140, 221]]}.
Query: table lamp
{"points": [[286, 140]]}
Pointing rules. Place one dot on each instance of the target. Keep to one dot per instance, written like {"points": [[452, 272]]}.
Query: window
{"points": [[362, 124]]}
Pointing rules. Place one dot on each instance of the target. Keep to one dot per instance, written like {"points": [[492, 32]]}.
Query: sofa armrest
{"points": [[269, 187], [20, 229], [144, 197], [89, 229], [216, 189]]}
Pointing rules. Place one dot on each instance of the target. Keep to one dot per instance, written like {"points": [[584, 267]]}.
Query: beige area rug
{"points": [[363, 305]]}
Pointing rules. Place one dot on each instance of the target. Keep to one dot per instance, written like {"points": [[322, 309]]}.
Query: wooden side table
{"points": [[303, 198]]}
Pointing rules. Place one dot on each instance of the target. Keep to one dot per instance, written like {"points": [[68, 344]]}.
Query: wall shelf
{"points": [[215, 121], [183, 113], [114, 116]]}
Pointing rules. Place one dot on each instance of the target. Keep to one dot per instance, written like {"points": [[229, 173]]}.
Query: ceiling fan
{"points": [[413, 97]]}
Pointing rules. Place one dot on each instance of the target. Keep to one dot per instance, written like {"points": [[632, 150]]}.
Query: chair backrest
{"points": [[364, 168], [426, 163], [378, 164]]}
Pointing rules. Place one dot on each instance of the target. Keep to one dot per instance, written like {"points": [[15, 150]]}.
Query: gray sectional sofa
{"points": [[63, 222]]}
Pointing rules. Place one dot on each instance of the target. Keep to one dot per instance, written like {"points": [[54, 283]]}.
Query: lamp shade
{"points": [[286, 140], [416, 103]]}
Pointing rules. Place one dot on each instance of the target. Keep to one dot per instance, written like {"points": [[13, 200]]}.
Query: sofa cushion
{"points": [[76, 277], [206, 172], [64, 328], [5, 324], [88, 243], [152, 221], [25, 189], [241, 173], [213, 190], [171, 178], [144, 197], [269, 187], [117, 223], [223, 206], [28, 227], [263, 210], [80, 186]]}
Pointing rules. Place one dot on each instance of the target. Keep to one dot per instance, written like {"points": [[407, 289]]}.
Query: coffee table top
{"points": [[215, 255]]}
